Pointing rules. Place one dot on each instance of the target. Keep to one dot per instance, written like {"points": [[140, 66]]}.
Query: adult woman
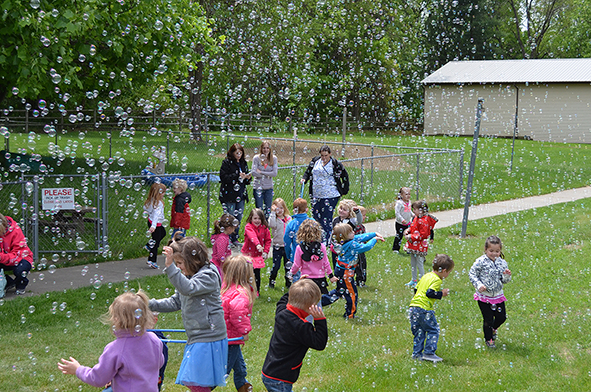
{"points": [[328, 182], [234, 177], [264, 168], [15, 255]]}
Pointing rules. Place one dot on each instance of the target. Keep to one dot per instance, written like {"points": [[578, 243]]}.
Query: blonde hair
{"points": [[261, 215], [340, 233], [269, 156], [226, 220], [179, 183], [300, 205], [350, 204], [192, 251], [238, 271], [130, 312], [3, 225], [309, 231], [155, 195], [303, 294], [281, 203]]}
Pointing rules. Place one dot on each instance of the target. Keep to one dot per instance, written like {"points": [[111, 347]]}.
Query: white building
{"points": [[551, 98]]}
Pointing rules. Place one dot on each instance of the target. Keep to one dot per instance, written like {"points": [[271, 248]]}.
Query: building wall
{"points": [[554, 112]]}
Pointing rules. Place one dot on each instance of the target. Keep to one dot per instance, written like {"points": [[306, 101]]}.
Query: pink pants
{"points": [[199, 389]]}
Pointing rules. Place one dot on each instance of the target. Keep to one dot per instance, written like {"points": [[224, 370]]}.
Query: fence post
{"points": [[105, 212], [344, 129], [461, 173], [293, 155], [418, 172], [362, 172], [110, 144], [371, 181], [208, 204], [35, 220], [471, 171], [168, 145]]}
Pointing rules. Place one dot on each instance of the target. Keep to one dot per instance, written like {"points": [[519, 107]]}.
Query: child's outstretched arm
{"points": [[68, 367]]}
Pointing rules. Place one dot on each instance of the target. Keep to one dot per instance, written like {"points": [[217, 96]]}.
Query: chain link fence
{"points": [[108, 220]]}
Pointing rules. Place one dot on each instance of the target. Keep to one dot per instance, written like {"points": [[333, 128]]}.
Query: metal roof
{"points": [[513, 71]]}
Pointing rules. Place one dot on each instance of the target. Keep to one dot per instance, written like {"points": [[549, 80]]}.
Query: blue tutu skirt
{"points": [[204, 364]]}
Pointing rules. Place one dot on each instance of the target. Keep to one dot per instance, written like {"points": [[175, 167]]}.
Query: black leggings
{"points": [[157, 236], [257, 278], [493, 317], [398, 238]]}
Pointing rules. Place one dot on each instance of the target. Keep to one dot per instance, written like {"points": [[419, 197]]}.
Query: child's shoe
{"points": [[152, 264], [20, 292], [432, 358], [491, 344], [417, 357], [412, 284]]}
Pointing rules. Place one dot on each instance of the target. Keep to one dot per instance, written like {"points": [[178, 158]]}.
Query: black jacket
{"points": [[340, 175], [292, 337], [231, 188]]}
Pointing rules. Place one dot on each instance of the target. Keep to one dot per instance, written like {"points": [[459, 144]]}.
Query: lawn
{"points": [[545, 344]]}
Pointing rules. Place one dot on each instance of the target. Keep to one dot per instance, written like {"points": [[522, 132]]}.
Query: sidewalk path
{"points": [[118, 271]]}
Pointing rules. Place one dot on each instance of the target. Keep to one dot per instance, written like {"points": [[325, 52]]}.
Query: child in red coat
{"points": [[417, 236], [180, 214], [257, 242], [15, 255]]}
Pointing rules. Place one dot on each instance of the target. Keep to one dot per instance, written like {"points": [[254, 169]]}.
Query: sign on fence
{"points": [[57, 198]]}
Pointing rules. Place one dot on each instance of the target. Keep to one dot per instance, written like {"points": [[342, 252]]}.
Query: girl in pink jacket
{"points": [[220, 240], [257, 242], [238, 296]]}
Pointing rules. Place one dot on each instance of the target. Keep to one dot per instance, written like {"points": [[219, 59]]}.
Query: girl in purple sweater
{"points": [[132, 361]]}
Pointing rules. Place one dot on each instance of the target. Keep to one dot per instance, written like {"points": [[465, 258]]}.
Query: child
{"points": [[404, 216], [238, 296], [310, 255], [300, 210], [154, 207], [132, 361], [349, 246], [278, 219], [488, 275], [15, 255], [180, 215], [348, 213], [293, 335], [423, 324], [257, 242], [220, 240], [361, 267], [417, 239], [197, 294]]}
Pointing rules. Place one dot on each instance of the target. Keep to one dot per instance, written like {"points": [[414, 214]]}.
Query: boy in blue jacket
{"points": [[300, 210], [348, 246]]}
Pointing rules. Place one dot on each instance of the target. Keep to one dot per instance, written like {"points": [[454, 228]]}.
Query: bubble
{"points": [[138, 328], [80, 245], [97, 284], [41, 276], [51, 268], [158, 25], [63, 306], [23, 319], [138, 313], [35, 4], [31, 309], [93, 296], [15, 90], [92, 50], [126, 275]]}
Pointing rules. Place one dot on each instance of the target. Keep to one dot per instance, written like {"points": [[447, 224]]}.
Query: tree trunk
{"points": [[196, 77]]}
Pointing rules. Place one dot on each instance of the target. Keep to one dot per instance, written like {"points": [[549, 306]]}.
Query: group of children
{"points": [[216, 298]]}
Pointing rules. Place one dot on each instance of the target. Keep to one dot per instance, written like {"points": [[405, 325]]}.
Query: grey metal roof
{"points": [[513, 71]]}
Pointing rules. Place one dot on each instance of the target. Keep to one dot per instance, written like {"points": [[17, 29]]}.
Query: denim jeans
{"points": [[236, 363], [263, 199], [236, 209], [425, 329], [276, 385], [322, 212], [20, 270]]}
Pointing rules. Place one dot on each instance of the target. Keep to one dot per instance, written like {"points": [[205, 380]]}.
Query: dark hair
{"points": [[226, 220], [193, 252], [421, 205], [494, 240], [442, 262], [233, 148], [261, 215], [324, 148]]}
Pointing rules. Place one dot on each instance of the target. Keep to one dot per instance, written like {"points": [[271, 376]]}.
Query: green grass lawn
{"points": [[544, 345]]}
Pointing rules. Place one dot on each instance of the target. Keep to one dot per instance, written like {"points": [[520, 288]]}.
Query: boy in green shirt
{"points": [[423, 324]]}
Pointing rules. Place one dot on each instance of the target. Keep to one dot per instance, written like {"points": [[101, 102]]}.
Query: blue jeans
{"points": [[322, 212], [20, 270], [425, 329], [263, 199], [236, 209], [276, 385], [178, 230], [236, 363]]}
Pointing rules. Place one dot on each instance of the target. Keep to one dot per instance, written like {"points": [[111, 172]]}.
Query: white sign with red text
{"points": [[57, 198]]}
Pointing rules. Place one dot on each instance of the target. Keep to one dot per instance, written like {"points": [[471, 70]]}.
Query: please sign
{"points": [[57, 198]]}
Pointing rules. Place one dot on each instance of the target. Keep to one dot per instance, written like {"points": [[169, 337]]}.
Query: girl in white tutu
{"points": [[197, 296]]}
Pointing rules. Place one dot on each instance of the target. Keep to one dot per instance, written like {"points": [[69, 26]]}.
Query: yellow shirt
{"points": [[429, 281]]}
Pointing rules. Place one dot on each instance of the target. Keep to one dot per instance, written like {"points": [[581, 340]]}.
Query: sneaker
{"points": [[152, 264], [432, 358], [20, 292], [412, 284], [417, 357], [396, 251], [494, 337], [491, 344]]}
